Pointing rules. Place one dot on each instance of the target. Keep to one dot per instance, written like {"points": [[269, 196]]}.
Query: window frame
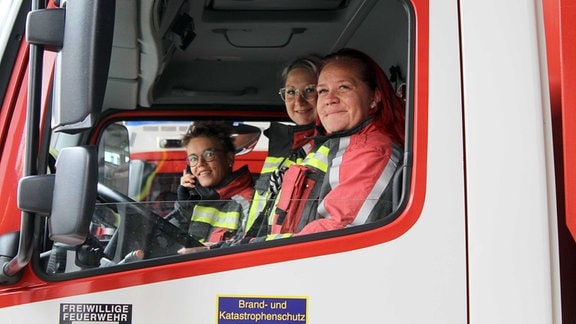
{"points": [[320, 243]]}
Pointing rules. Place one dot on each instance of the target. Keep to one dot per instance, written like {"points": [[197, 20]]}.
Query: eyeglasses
{"points": [[208, 155], [290, 94]]}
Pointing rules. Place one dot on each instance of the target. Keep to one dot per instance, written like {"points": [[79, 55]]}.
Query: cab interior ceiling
{"points": [[184, 52]]}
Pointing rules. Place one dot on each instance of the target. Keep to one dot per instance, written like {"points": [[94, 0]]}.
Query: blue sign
{"points": [[262, 310]]}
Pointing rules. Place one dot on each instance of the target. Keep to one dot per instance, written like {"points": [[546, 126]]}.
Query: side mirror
{"points": [[82, 64], [114, 158], [75, 191], [71, 203], [245, 138], [82, 34]]}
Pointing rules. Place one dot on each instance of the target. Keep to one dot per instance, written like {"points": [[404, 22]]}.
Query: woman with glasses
{"points": [[212, 198], [299, 91], [288, 143]]}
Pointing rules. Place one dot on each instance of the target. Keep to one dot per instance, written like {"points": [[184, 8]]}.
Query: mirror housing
{"points": [[82, 64], [35, 194], [75, 192], [114, 157], [82, 32], [245, 138], [68, 198]]}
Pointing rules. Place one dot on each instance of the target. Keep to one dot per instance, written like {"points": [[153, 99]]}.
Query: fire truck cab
{"points": [[96, 96]]}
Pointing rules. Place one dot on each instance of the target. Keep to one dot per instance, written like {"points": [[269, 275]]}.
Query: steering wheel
{"points": [[141, 228]]}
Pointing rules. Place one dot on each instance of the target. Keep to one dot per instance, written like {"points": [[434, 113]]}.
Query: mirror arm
{"points": [[10, 270], [83, 30]]}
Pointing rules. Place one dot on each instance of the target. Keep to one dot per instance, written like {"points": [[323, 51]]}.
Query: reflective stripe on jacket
{"points": [[359, 167], [218, 220], [288, 144]]}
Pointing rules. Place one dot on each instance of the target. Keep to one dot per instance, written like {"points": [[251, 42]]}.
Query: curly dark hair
{"points": [[215, 130]]}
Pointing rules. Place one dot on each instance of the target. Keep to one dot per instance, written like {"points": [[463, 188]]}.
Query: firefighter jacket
{"points": [[345, 182], [288, 145], [214, 214]]}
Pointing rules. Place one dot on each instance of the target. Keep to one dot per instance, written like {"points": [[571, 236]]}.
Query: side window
{"points": [[152, 199], [140, 164]]}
